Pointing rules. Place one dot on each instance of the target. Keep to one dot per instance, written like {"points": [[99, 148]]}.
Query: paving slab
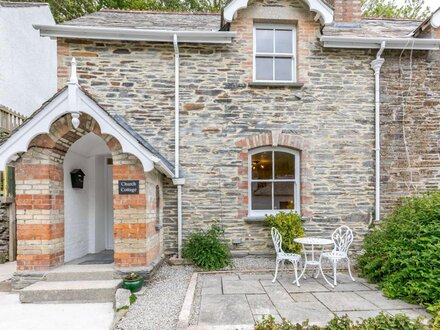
{"points": [[279, 296], [315, 312], [308, 285], [261, 304], [413, 314], [224, 310], [343, 286], [212, 285], [344, 301], [242, 286], [303, 297], [264, 276], [382, 302]]}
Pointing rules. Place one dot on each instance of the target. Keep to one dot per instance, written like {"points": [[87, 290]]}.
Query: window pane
{"points": [[264, 68], [262, 166], [284, 165], [283, 69], [264, 40], [283, 41], [261, 196], [283, 195]]}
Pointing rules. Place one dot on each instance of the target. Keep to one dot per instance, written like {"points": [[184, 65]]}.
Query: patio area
{"points": [[238, 300]]}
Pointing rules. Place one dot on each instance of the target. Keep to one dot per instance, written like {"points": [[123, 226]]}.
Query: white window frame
{"points": [[275, 55], [296, 180]]}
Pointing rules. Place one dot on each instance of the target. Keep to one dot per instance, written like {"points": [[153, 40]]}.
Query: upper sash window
{"points": [[274, 53]]}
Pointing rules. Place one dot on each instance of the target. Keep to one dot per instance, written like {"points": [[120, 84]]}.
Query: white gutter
{"points": [[376, 65], [92, 32], [375, 43], [177, 179]]}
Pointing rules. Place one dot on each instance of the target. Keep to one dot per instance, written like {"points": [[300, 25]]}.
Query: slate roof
{"points": [[374, 27], [118, 119], [185, 21], [151, 20], [22, 4]]}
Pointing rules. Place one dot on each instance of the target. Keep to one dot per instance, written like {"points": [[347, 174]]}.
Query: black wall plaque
{"points": [[128, 187]]}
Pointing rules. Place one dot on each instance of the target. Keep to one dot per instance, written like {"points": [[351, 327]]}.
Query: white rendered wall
{"points": [[28, 63], [76, 208], [84, 209]]}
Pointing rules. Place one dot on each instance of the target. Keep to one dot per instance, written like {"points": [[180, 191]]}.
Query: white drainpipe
{"points": [[376, 65], [177, 179]]}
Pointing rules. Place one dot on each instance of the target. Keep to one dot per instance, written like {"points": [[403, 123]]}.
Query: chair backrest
{"points": [[343, 237], [277, 240]]}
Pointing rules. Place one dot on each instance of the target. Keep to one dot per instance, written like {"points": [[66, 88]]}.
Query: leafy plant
{"points": [[290, 226], [402, 254], [382, 321], [414, 9], [132, 277], [133, 299], [207, 249]]}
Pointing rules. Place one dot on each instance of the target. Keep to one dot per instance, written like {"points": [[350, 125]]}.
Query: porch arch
{"points": [[40, 200]]}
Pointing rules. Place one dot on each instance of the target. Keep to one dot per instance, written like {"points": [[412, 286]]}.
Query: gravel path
{"points": [[158, 307]]}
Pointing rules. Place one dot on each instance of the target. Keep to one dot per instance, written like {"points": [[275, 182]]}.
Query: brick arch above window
{"points": [[274, 138]]}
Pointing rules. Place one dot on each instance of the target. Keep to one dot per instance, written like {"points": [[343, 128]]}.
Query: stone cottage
{"points": [[178, 120]]}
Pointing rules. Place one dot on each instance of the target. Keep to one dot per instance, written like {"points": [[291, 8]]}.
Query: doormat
{"points": [[96, 262]]}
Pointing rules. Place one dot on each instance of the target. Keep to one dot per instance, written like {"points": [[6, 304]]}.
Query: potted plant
{"points": [[133, 282]]}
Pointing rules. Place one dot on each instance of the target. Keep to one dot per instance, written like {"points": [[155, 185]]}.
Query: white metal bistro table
{"points": [[314, 260]]}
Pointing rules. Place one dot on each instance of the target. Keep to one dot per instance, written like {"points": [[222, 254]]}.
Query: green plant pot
{"points": [[133, 285]]}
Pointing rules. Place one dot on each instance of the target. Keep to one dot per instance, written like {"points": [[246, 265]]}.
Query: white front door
{"points": [[109, 240]]}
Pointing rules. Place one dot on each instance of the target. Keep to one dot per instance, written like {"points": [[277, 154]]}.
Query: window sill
{"points": [[255, 219], [275, 84]]}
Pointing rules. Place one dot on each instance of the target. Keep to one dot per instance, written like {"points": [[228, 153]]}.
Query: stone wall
{"points": [[330, 120], [4, 232], [410, 119], [333, 114]]}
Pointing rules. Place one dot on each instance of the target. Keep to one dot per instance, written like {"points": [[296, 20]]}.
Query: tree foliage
{"points": [[389, 9]]}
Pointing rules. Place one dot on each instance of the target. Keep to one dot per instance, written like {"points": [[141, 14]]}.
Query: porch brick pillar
{"points": [[40, 211], [130, 226]]}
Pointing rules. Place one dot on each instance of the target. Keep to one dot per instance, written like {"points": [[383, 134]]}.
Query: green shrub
{"points": [[402, 254], [207, 249], [290, 226], [380, 322]]}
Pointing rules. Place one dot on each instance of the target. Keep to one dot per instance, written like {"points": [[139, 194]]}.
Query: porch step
{"points": [[81, 273], [70, 291]]}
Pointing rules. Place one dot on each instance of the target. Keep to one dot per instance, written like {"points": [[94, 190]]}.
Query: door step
{"points": [[70, 291], [81, 273]]}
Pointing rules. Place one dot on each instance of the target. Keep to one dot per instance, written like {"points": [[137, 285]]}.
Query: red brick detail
{"points": [[40, 231], [126, 260], [153, 253], [347, 11], [39, 202], [128, 172], [130, 230], [39, 262], [39, 172], [43, 141], [121, 202]]}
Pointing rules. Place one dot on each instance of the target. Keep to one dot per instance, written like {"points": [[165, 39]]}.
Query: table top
{"points": [[313, 241]]}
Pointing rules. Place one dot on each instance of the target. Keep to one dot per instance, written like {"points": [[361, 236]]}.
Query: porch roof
{"points": [[40, 121]]}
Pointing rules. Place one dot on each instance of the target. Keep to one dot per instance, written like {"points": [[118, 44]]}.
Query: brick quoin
{"points": [[39, 262], [40, 231], [347, 11]]}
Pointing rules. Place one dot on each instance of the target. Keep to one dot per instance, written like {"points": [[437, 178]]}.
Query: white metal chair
{"points": [[283, 256], [342, 237]]}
